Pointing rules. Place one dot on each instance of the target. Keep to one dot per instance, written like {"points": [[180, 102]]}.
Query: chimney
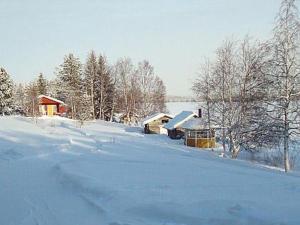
{"points": [[200, 113]]}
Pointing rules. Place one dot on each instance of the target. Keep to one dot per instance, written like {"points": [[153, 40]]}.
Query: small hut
{"points": [[154, 124], [199, 134], [174, 126], [49, 106]]}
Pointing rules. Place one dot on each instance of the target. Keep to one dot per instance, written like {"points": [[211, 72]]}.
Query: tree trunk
{"points": [[112, 112], [223, 139], [93, 101], [235, 151], [286, 143]]}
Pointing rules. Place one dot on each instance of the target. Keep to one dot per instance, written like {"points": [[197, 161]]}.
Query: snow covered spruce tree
{"points": [[19, 99], [71, 88], [41, 84], [90, 74], [104, 90], [285, 79], [6, 92], [99, 86]]}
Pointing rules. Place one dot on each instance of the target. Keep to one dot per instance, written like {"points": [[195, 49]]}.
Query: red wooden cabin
{"points": [[49, 106]]}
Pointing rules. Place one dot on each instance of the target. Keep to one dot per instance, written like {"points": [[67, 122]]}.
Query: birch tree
{"points": [[233, 88], [225, 90], [253, 65], [150, 91], [31, 99], [124, 72], [204, 89], [286, 76], [159, 96]]}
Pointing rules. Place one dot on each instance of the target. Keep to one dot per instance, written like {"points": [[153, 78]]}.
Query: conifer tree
{"points": [[41, 84], [70, 83], [90, 74], [19, 99], [6, 92], [104, 90]]}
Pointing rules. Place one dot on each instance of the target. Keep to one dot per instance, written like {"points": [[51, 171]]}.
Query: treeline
{"points": [[252, 88], [93, 90]]}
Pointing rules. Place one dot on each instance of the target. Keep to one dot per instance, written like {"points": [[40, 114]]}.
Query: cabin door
{"points": [[50, 110]]}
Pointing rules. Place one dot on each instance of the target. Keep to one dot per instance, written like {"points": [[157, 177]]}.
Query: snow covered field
{"points": [[55, 173]]}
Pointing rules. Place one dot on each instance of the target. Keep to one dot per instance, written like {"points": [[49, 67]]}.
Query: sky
{"points": [[174, 35]]}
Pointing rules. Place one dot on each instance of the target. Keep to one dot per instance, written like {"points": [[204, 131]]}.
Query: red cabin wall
{"points": [[62, 109]]}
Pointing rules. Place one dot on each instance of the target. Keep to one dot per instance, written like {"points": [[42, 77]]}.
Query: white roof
{"points": [[155, 116], [53, 99], [180, 119], [195, 124]]}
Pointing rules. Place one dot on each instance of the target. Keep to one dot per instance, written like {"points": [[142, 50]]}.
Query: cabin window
{"points": [[165, 121], [191, 134], [201, 134]]}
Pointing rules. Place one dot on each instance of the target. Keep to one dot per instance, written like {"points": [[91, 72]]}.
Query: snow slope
{"points": [[53, 172]]}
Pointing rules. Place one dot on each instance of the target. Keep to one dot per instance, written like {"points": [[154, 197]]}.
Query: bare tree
{"points": [[151, 90], [233, 88], [203, 88], [225, 83], [250, 121], [124, 70], [286, 77], [31, 99]]}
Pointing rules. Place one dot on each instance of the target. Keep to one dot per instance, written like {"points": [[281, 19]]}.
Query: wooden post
{"points": [[186, 137]]}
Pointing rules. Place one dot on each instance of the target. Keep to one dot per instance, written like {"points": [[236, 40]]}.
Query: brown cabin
{"points": [[154, 124], [174, 126], [199, 134], [49, 106]]}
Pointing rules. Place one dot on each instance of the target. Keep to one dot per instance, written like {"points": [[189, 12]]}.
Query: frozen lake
{"points": [[175, 108]]}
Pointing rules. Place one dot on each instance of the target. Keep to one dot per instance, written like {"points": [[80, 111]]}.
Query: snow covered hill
{"points": [[52, 172]]}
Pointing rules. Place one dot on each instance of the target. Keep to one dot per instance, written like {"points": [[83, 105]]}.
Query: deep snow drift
{"points": [[55, 173]]}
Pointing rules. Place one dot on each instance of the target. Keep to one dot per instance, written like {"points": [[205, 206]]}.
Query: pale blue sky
{"points": [[174, 35]]}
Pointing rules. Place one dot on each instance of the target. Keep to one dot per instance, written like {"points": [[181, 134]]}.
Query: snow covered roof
{"points": [[155, 116], [50, 98], [179, 119], [196, 124]]}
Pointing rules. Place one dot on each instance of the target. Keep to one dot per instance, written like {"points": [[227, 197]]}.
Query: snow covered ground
{"points": [[53, 172]]}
